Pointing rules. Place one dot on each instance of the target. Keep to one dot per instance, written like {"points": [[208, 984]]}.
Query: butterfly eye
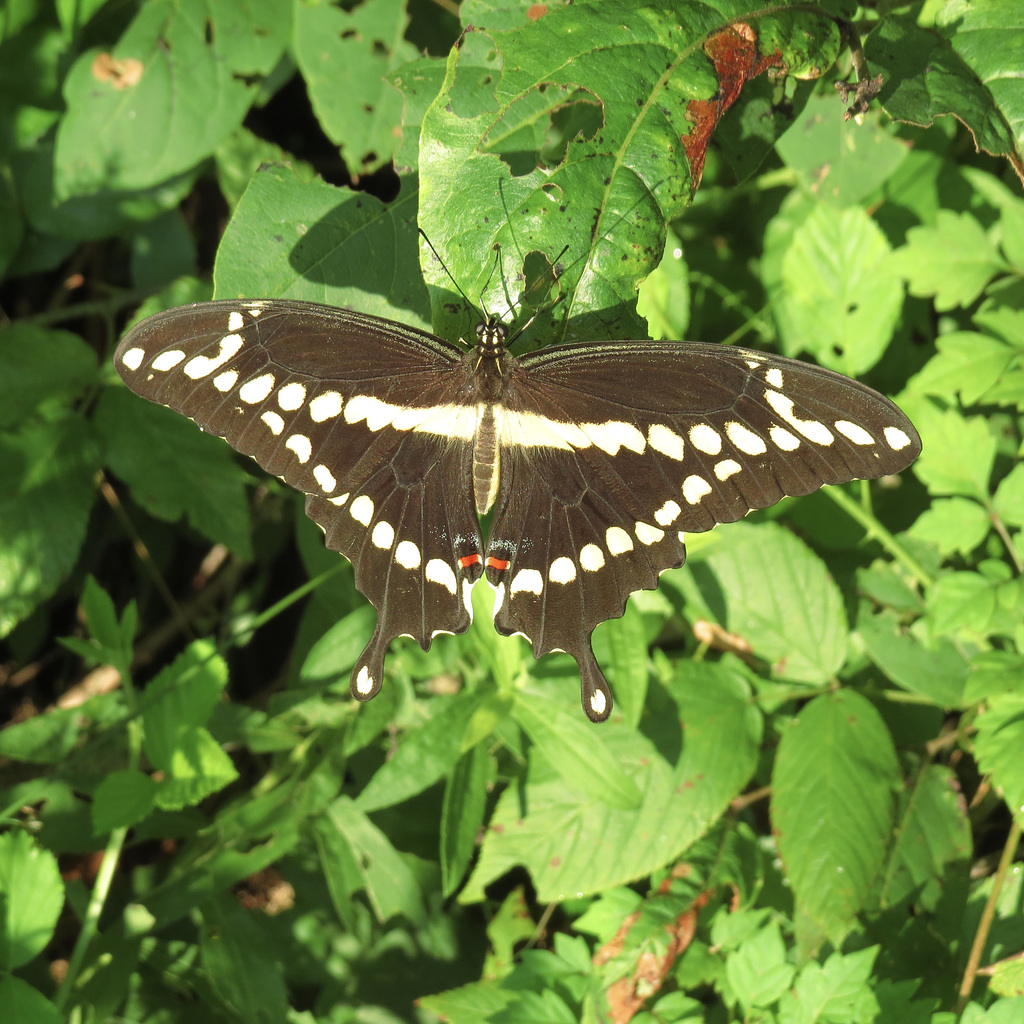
{"points": [[596, 458]]}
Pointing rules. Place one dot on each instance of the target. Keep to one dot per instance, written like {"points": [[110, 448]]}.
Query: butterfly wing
{"points": [[363, 415], [612, 452]]}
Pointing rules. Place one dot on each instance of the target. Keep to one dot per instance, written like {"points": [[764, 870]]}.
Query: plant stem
{"points": [[877, 531], [100, 891], [275, 609], [988, 915]]}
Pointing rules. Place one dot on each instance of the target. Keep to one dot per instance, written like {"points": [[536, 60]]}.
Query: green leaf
{"points": [[839, 161], [324, 244], [43, 371], [961, 601], [758, 972], [968, 363], [423, 756], [369, 863], [568, 743], [122, 799], [176, 84], [937, 672], [575, 843], [242, 962], [1007, 978], [21, 1002], [925, 79], [835, 297], [176, 705], [611, 195], [769, 588], [1009, 497], [997, 746], [1002, 1011], [195, 768], [162, 251], [43, 739], [31, 895], [239, 157], [958, 452], [951, 262], [419, 82], [475, 1003], [462, 815], [173, 469], [94, 216], [1011, 221], [620, 646], [932, 844], [838, 991], [46, 493], [332, 657], [111, 640], [345, 56], [953, 525], [988, 38], [832, 806], [994, 673]]}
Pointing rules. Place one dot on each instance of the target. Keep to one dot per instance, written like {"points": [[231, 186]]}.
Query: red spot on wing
{"points": [[467, 560], [497, 563]]}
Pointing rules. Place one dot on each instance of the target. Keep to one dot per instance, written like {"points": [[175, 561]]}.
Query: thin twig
{"points": [[144, 556], [988, 915]]}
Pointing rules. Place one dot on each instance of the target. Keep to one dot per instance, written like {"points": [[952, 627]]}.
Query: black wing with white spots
{"points": [[675, 439], [597, 458], [322, 399]]}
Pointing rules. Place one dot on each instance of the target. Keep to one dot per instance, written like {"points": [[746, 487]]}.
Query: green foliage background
{"points": [[807, 807]]}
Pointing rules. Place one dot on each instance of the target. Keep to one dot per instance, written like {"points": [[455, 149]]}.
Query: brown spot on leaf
{"points": [[536, 11], [733, 52], [122, 74]]}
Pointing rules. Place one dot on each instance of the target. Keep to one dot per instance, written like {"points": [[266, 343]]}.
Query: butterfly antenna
{"points": [[451, 277], [526, 326]]}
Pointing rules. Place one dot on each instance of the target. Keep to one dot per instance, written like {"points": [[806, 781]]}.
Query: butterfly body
{"points": [[596, 458]]}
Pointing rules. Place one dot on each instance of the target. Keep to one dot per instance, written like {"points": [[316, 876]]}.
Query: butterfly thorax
{"points": [[490, 361]]}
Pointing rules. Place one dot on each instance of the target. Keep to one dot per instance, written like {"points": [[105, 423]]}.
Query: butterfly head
{"points": [[491, 335]]}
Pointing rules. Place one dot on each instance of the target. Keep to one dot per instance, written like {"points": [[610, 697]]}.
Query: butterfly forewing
{"points": [[598, 457]]}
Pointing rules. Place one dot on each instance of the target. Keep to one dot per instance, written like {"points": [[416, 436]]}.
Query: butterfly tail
{"points": [[595, 693]]}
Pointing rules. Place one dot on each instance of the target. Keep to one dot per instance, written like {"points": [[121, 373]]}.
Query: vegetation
{"points": [[808, 804]]}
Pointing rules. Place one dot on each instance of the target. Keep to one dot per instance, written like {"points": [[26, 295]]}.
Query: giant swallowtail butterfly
{"points": [[597, 458]]}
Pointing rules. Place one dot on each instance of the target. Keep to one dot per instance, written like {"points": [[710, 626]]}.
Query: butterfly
{"points": [[596, 458]]}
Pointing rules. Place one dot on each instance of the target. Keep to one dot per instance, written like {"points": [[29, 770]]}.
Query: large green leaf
{"points": [[626, 95], [573, 841], [177, 83], [31, 894], [766, 586], [41, 368], [173, 469], [323, 244], [926, 76], [46, 492], [832, 807], [344, 56]]}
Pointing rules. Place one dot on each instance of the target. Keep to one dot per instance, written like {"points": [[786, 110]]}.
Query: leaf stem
{"points": [[287, 601], [988, 915], [90, 923], [1004, 535], [878, 532]]}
